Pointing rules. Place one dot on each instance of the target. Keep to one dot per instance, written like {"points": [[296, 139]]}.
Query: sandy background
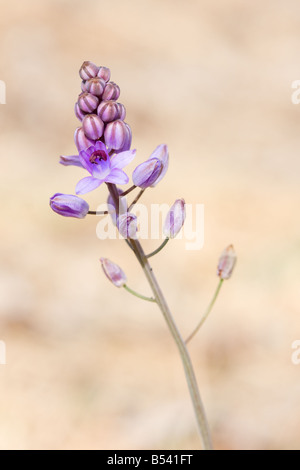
{"points": [[89, 366]]}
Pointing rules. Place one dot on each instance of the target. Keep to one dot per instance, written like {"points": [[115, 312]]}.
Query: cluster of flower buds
{"points": [[101, 116]]}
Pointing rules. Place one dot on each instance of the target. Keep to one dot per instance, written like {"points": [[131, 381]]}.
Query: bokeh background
{"points": [[89, 366]]}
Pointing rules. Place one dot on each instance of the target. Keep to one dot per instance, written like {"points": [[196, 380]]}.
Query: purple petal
{"points": [[161, 152], [122, 159], [117, 176], [84, 157], [68, 160], [87, 184], [100, 146], [101, 169]]}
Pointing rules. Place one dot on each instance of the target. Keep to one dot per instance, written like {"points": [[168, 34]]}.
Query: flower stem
{"points": [[185, 357], [136, 199], [158, 249], [207, 312], [97, 212], [133, 292], [128, 190]]}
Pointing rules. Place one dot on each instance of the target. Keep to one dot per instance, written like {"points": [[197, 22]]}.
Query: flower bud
{"points": [[113, 272], [95, 86], [111, 91], [78, 112], [111, 207], [88, 70], [82, 142], [127, 225], [104, 73], [122, 111], [161, 152], [226, 263], [108, 111], [147, 173], [82, 86], [69, 205], [175, 219], [92, 126], [88, 102], [116, 134]]}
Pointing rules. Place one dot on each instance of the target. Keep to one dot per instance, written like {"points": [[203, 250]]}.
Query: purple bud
{"points": [[78, 112], [83, 87], [88, 102], [92, 126], [175, 219], [146, 173], [116, 134], [122, 111], [81, 141], [161, 152], [95, 86], [104, 73], [113, 272], [108, 111], [127, 225], [226, 263], [69, 205], [112, 208], [88, 70], [111, 91]]}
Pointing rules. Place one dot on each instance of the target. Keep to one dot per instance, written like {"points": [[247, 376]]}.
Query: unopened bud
{"points": [[161, 152], [108, 111], [92, 126], [113, 272], [88, 70], [82, 142], [127, 225], [116, 134], [88, 102], [122, 111], [95, 86], [175, 219], [226, 263], [111, 91], [104, 73], [78, 112], [69, 205], [147, 173]]}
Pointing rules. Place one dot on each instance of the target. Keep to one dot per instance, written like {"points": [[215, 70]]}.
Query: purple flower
{"points": [[146, 173], [175, 219], [113, 272], [161, 152], [226, 263], [102, 168], [127, 225], [69, 205], [150, 172]]}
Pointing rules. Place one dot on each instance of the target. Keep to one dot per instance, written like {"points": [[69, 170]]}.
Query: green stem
{"points": [[140, 296], [158, 249], [185, 357], [136, 199], [207, 312]]}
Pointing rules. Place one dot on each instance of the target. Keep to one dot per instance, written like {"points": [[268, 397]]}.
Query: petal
{"points": [[84, 157], [87, 184], [100, 146], [117, 176], [67, 160], [160, 152], [122, 159], [101, 169]]}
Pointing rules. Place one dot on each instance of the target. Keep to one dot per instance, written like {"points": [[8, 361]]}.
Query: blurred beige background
{"points": [[89, 366]]}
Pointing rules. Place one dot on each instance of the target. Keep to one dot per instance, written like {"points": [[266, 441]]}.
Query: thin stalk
{"points": [[136, 294], [128, 191], [185, 357], [97, 212], [207, 312], [158, 249], [136, 199]]}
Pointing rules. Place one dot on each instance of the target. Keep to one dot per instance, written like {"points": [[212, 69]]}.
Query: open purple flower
{"points": [[102, 168]]}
